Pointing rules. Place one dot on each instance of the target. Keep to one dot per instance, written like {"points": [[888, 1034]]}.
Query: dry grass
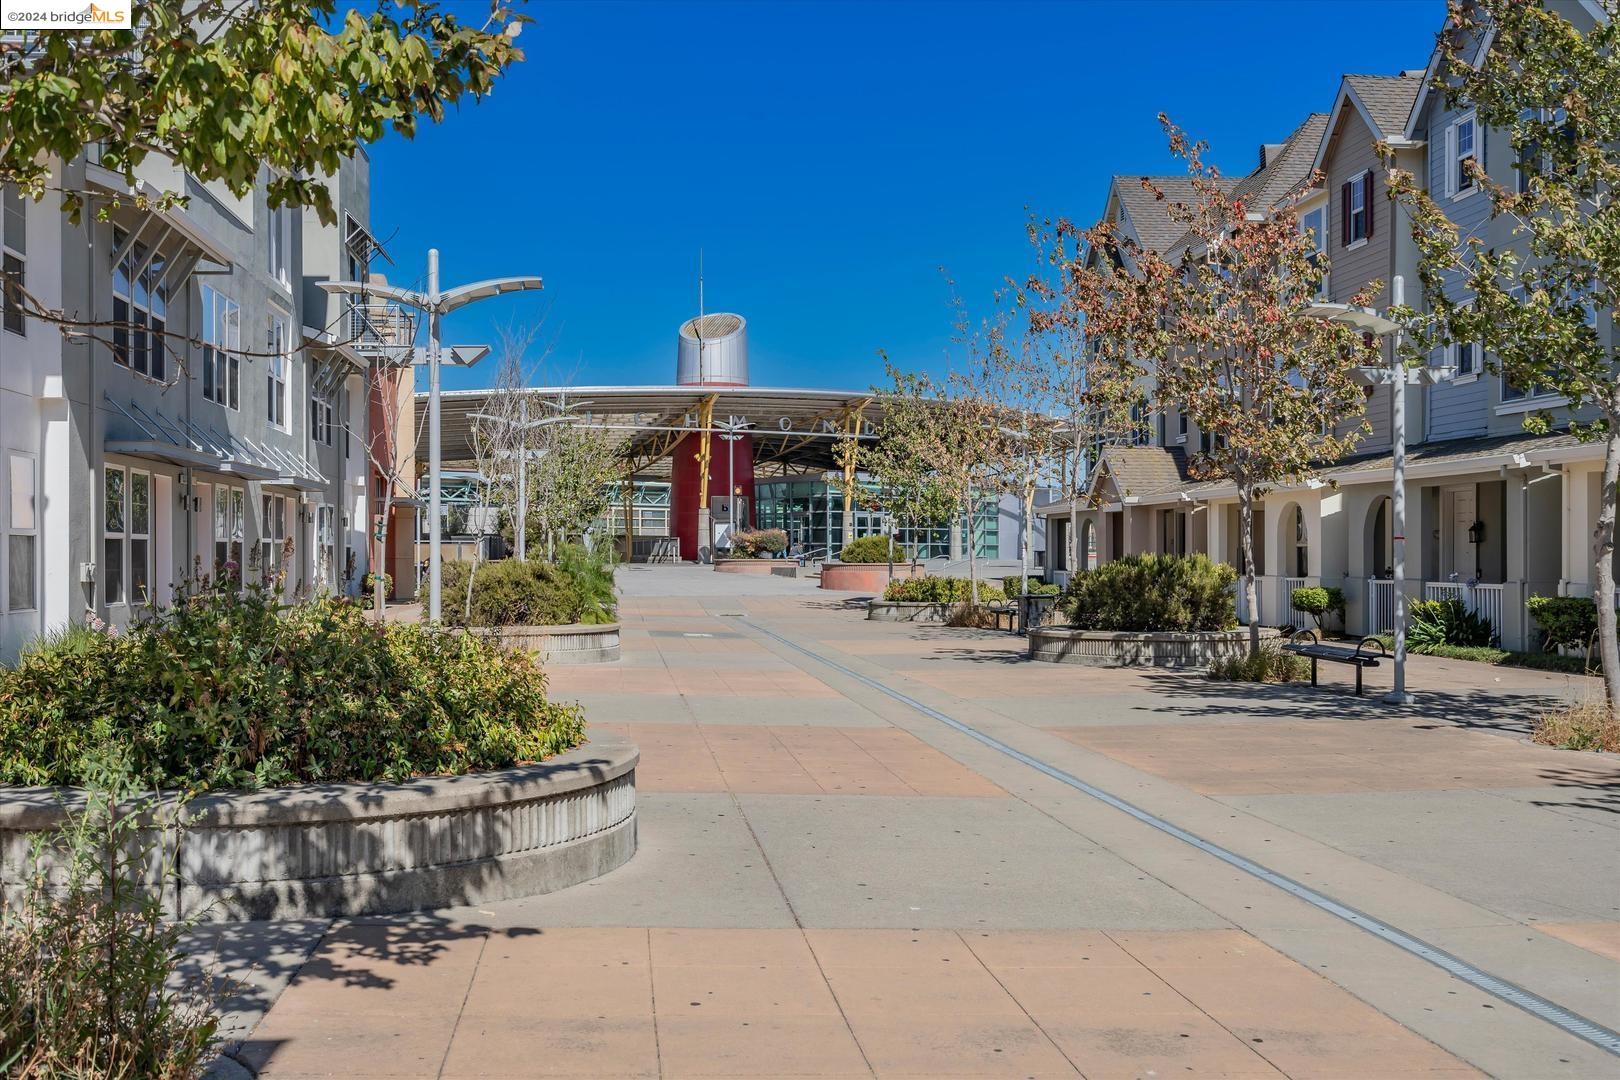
{"points": [[1589, 725]]}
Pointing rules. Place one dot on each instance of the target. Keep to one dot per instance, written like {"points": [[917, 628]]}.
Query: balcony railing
{"points": [[381, 329]]}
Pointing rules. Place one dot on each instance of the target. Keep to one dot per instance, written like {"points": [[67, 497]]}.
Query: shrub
{"points": [[1152, 592], [1586, 726], [938, 590], [89, 966], [757, 543], [510, 592], [227, 690], [1446, 622], [1269, 665], [591, 574], [1034, 586], [1565, 621], [1318, 602], [368, 589], [874, 549]]}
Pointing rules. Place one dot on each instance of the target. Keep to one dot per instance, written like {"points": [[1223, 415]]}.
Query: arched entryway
{"points": [[1087, 551]]}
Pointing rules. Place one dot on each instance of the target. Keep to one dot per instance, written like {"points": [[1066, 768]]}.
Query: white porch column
{"points": [[1580, 513]]}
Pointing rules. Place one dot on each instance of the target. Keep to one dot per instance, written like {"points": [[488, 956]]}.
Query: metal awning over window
{"points": [[151, 434], [183, 247]]}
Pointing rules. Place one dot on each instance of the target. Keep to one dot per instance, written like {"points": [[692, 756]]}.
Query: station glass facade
{"points": [[811, 512]]}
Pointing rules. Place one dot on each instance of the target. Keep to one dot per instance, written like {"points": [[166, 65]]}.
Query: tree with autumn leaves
{"points": [[1539, 301], [1224, 327]]}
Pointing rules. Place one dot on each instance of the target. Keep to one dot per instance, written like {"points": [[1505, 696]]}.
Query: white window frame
{"points": [[279, 244], [140, 313], [1358, 189], [272, 535], [1455, 155], [1453, 360], [227, 530], [325, 544], [278, 371], [13, 255], [1319, 235], [222, 345], [321, 419], [118, 544], [12, 529]]}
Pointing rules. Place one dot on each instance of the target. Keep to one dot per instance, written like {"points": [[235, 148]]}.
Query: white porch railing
{"points": [[1483, 600], [1299, 618], [1380, 606]]}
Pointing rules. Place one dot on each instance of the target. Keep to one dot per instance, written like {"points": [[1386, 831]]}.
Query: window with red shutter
{"points": [[1344, 214]]}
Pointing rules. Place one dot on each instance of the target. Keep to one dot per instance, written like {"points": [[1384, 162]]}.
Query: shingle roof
{"points": [[1388, 99], [1149, 214], [1143, 470]]}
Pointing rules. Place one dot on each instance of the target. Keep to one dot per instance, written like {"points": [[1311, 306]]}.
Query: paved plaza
{"points": [[835, 881]]}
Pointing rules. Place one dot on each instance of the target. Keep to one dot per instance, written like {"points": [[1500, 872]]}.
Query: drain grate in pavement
{"points": [[691, 633]]}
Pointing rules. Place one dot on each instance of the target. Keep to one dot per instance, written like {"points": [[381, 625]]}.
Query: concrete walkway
{"points": [[834, 882]]}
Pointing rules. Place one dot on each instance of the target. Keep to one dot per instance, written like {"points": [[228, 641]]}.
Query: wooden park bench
{"points": [[1306, 643]]}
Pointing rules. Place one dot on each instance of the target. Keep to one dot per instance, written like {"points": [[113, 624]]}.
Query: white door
{"points": [[1464, 510]]}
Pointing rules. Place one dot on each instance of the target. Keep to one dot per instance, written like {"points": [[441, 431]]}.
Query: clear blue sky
{"points": [[829, 159]]}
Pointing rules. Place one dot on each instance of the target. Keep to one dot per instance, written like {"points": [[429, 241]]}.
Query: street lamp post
{"points": [[524, 456], [435, 305], [731, 430], [1397, 377]]}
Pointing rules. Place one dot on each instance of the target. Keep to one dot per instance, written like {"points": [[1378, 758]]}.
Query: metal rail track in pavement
{"points": [[1573, 1023]]}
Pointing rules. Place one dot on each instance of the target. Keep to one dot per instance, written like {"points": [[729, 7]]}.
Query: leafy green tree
{"points": [[1537, 302], [223, 87], [902, 462], [1226, 331]]}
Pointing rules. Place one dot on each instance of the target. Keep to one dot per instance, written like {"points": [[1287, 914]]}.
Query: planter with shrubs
{"points": [[863, 565], [1146, 611], [309, 761], [562, 611], [928, 599], [753, 551]]}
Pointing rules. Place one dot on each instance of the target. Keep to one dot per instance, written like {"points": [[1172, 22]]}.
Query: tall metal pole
{"points": [[731, 480], [1399, 696], [435, 494], [521, 529]]}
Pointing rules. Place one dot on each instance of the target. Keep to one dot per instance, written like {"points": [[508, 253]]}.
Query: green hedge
{"points": [[1143, 593], [236, 691], [939, 590], [874, 549], [755, 543], [1567, 621], [1034, 586], [576, 588], [1488, 654], [1318, 602]]}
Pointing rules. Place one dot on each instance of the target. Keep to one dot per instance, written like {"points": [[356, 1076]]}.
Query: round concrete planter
{"points": [[1105, 648], [764, 567], [864, 577], [350, 849], [907, 611], [573, 643]]}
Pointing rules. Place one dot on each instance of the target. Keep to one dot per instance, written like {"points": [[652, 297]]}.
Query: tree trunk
{"points": [[973, 565], [1246, 532], [1603, 557], [380, 591]]}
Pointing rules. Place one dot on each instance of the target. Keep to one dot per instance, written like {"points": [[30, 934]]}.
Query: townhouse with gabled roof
{"points": [[1494, 514]]}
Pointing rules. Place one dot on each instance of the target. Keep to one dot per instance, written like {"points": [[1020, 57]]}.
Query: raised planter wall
{"points": [[864, 577], [350, 849], [907, 611], [1104, 648], [574, 643]]}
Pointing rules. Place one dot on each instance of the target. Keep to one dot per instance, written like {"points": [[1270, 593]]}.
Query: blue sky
{"points": [[829, 159]]}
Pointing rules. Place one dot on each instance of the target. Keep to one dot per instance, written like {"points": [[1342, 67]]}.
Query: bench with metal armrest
{"points": [[1306, 643]]}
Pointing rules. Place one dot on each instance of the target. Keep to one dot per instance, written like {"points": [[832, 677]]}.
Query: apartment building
{"points": [[1494, 515], [206, 413]]}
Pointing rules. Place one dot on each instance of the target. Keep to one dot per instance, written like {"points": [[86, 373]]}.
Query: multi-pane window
{"points": [[280, 244], [229, 511], [325, 543], [1314, 224], [126, 544], [273, 536], [1462, 150], [1356, 200], [13, 256], [344, 415], [1465, 356], [222, 346], [140, 310], [321, 419], [22, 533], [277, 369]]}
